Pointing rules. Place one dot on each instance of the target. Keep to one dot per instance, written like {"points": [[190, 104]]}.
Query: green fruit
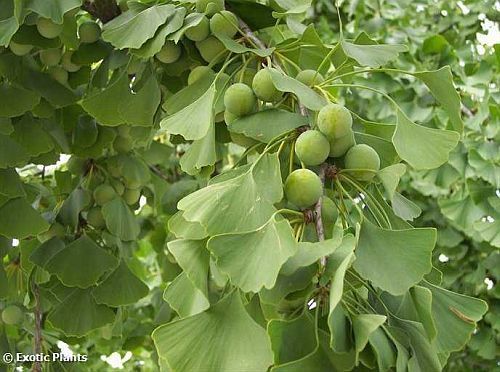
{"points": [[89, 32], [312, 147], [198, 73], [239, 99], [329, 212], [334, 121], [169, 53], [50, 57], [59, 74], [131, 196], [310, 77], [67, 64], [104, 193], [95, 218], [20, 49], [224, 23], [200, 31], [229, 117], [118, 186], [264, 88], [362, 157], [123, 130], [339, 146], [12, 315], [47, 28], [303, 188], [123, 144], [76, 165], [210, 48], [246, 76], [209, 7]]}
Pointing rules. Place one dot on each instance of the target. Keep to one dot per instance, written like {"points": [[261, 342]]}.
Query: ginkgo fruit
{"points": [[209, 7], [198, 73], [95, 218], [131, 196], [103, 194], [210, 48], [334, 121], [47, 28], [303, 188], [68, 64], [20, 49], [200, 31], [59, 74], [264, 88], [12, 315], [50, 57], [310, 77], [239, 99], [364, 158], [224, 23], [118, 186], [89, 32], [329, 211], [169, 53], [312, 147], [339, 146], [76, 165], [123, 144], [242, 140]]}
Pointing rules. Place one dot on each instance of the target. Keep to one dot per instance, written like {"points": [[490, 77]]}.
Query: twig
{"points": [[37, 366], [320, 230], [105, 10]]}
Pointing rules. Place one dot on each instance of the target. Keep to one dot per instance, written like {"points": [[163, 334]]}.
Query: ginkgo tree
{"points": [[185, 180]]}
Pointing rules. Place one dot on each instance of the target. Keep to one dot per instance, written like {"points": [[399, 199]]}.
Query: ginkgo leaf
{"points": [[77, 201], [394, 260], [184, 297], [120, 220], [242, 203], [363, 326], [201, 153], [12, 153], [184, 229], [81, 263], [253, 259], [16, 100], [54, 9], [489, 231], [19, 220], [372, 55], [10, 184], [120, 288], [78, 313], [132, 28], [422, 147], [46, 251], [237, 342], [390, 176]]}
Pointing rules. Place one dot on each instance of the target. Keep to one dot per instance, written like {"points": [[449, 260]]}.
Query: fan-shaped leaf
{"points": [[120, 220], [19, 220]]}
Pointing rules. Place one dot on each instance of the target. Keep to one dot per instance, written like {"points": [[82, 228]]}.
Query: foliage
{"points": [[171, 228]]}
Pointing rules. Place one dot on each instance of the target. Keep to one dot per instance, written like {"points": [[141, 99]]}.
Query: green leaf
{"points": [[238, 343], [184, 297], [19, 220], [30, 134], [383, 349], [193, 121], [77, 201], [489, 231], [46, 251], [390, 176], [81, 263], [183, 229], [422, 147], [120, 220], [405, 208], [455, 317], [363, 326], [308, 97], [191, 20], [193, 257], [251, 125], [154, 45], [253, 259], [78, 314], [16, 100], [10, 184], [372, 55], [201, 153], [132, 28], [382, 253], [309, 253], [460, 209], [238, 48], [440, 83], [120, 288], [53, 9], [12, 153], [299, 280], [486, 169], [255, 190]]}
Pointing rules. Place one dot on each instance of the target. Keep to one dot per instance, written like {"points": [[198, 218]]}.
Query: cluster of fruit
{"points": [[213, 20], [57, 61]]}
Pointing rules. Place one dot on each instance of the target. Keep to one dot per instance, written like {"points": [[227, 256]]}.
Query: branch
{"points": [[37, 366], [317, 209]]}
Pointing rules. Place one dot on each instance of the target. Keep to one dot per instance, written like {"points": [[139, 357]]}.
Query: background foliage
{"points": [[131, 264]]}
